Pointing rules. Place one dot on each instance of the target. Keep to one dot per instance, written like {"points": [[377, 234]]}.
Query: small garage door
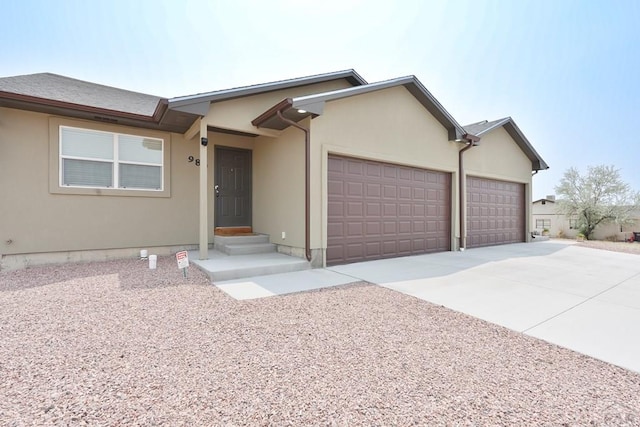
{"points": [[379, 210], [495, 212]]}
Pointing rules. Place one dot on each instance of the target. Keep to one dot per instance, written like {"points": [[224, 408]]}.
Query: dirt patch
{"points": [[626, 247], [115, 344]]}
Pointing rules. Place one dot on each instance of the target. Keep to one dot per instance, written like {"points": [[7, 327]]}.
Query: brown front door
{"points": [[381, 210], [232, 187], [495, 212]]}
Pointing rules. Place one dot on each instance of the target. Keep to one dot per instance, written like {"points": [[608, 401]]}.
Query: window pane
{"points": [[87, 173], [137, 176], [138, 149], [86, 143]]}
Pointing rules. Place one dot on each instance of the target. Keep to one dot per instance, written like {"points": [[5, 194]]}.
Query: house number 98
{"points": [[191, 160]]}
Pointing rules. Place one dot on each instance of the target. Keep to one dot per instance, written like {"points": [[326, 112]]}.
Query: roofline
{"points": [[221, 95], [283, 105], [514, 131], [500, 122], [158, 113], [544, 199], [314, 103]]}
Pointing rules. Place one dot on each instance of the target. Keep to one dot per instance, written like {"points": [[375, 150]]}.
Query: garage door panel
{"points": [[390, 171], [390, 248], [336, 209], [404, 247], [390, 210], [355, 168], [389, 228], [374, 170], [355, 229], [404, 192], [355, 209], [335, 228], [335, 187], [401, 210], [373, 229], [389, 192], [495, 212], [374, 209], [404, 227], [373, 250], [373, 190], [355, 189]]}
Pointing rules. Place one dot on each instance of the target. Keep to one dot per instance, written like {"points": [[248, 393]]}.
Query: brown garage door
{"points": [[379, 210], [495, 212]]}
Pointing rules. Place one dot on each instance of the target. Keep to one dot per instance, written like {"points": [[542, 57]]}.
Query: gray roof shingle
{"points": [[54, 87], [481, 127]]}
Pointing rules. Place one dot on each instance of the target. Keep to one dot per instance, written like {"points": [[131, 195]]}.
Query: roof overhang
{"points": [[509, 125], [313, 105], [199, 104], [537, 163], [162, 118]]}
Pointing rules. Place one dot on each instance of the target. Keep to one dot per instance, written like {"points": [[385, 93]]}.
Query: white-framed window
{"points": [[573, 224], [99, 159], [543, 223]]}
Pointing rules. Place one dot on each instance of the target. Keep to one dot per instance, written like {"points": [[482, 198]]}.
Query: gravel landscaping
{"points": [[115, 343], [626, 247]]}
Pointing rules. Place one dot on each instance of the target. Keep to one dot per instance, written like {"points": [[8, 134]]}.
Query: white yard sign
{"points": [[183, 259]]}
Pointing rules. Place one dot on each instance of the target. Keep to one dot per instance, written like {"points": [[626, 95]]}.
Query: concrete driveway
{"points": [[584, 299]]}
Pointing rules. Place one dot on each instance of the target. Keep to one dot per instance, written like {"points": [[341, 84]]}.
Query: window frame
{"points": [[55, 159], [546, 223], [115, 162]]}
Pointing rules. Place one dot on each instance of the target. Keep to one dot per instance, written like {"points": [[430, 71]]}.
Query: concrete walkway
{"points": [[584, 299]]}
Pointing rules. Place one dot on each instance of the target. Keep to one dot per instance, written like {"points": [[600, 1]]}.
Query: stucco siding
{"points": [[38, 220], [237, 114], [278, 187], [498, 157]]}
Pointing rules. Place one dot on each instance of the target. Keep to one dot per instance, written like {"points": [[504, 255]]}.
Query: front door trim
{"points": [[232, 187]]}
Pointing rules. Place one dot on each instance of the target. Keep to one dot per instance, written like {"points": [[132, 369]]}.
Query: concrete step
{"points": [[221, 267], [263, 270], [221, 242], [249, 248]]}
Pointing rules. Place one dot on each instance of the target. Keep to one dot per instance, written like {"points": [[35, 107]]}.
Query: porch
{"points": [[237, 257]]}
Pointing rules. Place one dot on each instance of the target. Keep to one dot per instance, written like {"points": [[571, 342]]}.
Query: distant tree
{"points": [[596, 198]]}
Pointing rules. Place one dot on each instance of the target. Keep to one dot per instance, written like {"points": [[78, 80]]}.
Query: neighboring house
{"points": [[546, 215], [331, 167]]}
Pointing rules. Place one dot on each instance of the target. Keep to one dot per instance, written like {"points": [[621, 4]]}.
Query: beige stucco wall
{"points": [[388, 125], [278, 187], [498, 157], [237, 114], [34, 219], [548, 212]]}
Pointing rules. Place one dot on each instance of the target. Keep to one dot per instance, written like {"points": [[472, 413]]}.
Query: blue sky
{"points": [[566, 71]]}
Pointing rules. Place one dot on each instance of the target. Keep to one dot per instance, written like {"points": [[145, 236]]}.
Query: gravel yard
{"points": [[626, 247], [114, 343]]}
